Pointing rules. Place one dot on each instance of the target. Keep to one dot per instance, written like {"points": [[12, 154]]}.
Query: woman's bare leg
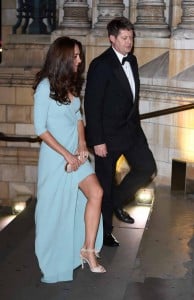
{"points": [[92, 190]]}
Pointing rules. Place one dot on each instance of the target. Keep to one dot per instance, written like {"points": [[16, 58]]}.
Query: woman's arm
{"points": [[49, 139], [82, 147], [41, 109]]}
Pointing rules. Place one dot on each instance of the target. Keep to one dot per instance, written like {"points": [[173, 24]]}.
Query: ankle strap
{"points": [[88, 250]]}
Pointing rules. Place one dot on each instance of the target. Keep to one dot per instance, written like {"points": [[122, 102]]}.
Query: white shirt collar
{"points": [[119, 55]]}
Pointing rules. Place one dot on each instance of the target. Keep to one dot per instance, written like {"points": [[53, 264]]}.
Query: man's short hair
{"points": [[117, 24]]}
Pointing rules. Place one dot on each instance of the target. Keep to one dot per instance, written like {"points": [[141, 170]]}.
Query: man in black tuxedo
{"points": [[113, 124]]}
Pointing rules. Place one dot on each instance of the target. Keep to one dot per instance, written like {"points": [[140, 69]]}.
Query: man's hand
{"points": [[101, 150]]}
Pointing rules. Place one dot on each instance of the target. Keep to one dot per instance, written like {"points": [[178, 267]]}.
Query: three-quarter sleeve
{"points": [[78, 115], [41, 106]]}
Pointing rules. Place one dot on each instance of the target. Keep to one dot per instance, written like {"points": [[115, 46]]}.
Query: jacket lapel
{"points": [[120, 74]]}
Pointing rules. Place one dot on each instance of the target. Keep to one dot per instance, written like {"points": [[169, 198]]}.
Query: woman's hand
{"points": [[73, 162], [82, 152]]}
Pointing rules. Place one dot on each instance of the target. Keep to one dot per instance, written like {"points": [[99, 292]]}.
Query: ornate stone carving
{"points": [[185, 29], [150, 19], [108, 9], [75, 14]]}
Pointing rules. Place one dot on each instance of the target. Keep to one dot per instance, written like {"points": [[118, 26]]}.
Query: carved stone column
{"points": [[150, 19], [186, 27], [75, 14], [108, 10]]}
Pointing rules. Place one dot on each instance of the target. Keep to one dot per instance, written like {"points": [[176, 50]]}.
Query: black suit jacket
{"points": [[111, 115]]}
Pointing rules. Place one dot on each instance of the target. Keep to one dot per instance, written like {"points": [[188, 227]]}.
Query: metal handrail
{"points": [[153, 114], [166, 111], [9, 138]]}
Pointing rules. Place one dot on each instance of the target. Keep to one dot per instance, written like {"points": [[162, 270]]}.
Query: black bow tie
{"points": [[126, 58]]}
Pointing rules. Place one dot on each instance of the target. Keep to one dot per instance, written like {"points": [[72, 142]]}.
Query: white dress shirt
{"points": [[127, 69]]}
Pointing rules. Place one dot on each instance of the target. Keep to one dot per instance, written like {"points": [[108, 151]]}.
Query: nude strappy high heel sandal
{"points": [[97, 253], [98, 268]]}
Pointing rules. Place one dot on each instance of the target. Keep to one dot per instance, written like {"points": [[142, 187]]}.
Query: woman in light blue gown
{"points": [[68, 211]]}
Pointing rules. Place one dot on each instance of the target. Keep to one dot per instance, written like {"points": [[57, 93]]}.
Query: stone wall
{"points": [[18, 160]]}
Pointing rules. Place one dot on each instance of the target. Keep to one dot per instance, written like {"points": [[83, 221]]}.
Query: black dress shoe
{"points": [[123, 216], [110, 240]]}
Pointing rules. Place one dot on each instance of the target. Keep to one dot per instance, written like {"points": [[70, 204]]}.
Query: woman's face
{"points": [[77, 59]]}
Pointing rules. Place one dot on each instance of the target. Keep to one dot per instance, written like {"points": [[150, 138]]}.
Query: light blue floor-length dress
{"points": [[59, 215]]}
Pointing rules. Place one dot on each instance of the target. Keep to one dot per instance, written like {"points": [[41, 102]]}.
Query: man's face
{"points": [[123, 43]]}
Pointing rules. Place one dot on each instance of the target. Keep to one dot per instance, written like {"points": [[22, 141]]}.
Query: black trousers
{"points": [[143, 169]]}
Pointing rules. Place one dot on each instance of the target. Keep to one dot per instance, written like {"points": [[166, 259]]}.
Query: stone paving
{"points": [[154, 260]]}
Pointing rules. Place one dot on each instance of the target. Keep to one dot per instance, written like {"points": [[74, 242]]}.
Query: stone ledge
{"points": [[21, 156]]}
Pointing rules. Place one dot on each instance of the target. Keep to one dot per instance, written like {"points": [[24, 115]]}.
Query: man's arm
{"points": [[94, 101]]}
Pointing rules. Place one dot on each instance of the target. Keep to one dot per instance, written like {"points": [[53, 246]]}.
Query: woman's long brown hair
{"points": [[59, 69]]}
